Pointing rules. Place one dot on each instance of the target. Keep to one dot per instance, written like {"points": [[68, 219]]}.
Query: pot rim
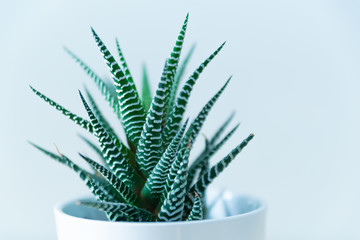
{"points": [[58, 209]]}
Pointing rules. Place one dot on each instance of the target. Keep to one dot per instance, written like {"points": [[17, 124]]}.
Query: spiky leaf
{"points": [[173, 206], [214, 171], [104, 88], [102, 120], [124, 191], [113, 155], [75, 118], [155, 183], [102, 195], [200, 118], [172, 65], [178, 76], [203, 159], [178, 109], [83, 174], [125, 66], [150, 147], [131, 109], [146, 96], [221, 129], [196, 210], [95, 148]]}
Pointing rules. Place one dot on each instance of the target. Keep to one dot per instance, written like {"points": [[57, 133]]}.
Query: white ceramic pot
{"points": [[230, 216]]}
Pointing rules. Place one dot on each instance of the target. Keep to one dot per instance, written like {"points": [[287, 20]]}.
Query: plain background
{"points": [[295, 85]]}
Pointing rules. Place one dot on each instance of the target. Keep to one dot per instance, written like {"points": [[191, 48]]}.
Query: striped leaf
{"points": [[173, 206], [201, 117], [196, 210], [155, 183], [113, 155], [75, 118], [181, 156], [95, 148], [125, 151], [102, 196], [125, 66], [203, 160], [103, 122], [176, 114], [172, 65], [101, 193], [134, 213], [100, 116], [146, 97], [124, 191], [150, 147], [132, 111], [104, 88], [178, 77], [221, 129], [84, 175], [214, 171]]}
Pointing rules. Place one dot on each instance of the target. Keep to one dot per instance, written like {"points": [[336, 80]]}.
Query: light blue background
{"points": [[295, 85]]}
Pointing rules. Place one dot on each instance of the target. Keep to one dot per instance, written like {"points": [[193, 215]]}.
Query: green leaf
{"points": [[113, 155], [125, 66], [173, 206], [221, 129], [132, 111], [101, 193], [84, 175], [203, 160], [150, 148], [124, 191], [95, 148], [201, 117], [214, 171], [155, 183], [176, 113], [175, 167], [100, 116], [104, 88], [196, 210], [146, 96], [172, 65], [178, 77], [103, 196], [75, 118], [134, 213]]}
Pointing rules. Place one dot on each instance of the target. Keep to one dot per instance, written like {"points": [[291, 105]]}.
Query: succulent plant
{"points": [[148, 177]]}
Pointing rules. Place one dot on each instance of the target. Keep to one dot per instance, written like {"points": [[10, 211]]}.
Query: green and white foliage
{"points": [[148, 176]]}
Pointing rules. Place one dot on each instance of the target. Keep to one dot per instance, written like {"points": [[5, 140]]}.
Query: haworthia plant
{"points": [[147, 176]]}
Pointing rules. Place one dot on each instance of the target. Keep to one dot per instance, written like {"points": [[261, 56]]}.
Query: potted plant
{"points": [[145, 187]]}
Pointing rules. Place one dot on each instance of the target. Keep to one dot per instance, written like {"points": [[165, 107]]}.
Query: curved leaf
{"points": [[155, 183], [214, 171], [173, 206], [150, 148], [113, 155], [75, 118], [131, 109], [105, 90], [176, 113]]}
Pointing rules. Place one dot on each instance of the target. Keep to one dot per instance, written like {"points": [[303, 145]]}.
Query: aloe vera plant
{"points": [[147, 177]]}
